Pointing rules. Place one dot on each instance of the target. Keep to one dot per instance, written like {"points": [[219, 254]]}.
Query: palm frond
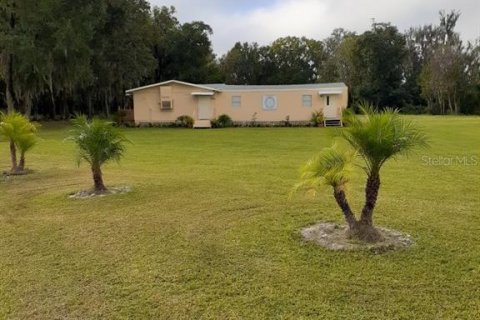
{"points": [[98, 141], [332, 167], [379, 136], [26, 142], [17, 128]]}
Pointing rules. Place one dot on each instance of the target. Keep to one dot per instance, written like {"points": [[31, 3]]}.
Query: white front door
{"points": [[329, 111], [204, 108]]}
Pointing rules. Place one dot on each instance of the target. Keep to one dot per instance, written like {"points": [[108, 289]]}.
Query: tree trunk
{"points": [[99, 187], [107, 106], [455, 104], [21, 163], [28, 110], [27, 106], [371, 194], [65, 105], [53, 110], [13, 156], [364, 230], [357, 230], [450, 106], [10, 94], [89, 104], [342, 202]]}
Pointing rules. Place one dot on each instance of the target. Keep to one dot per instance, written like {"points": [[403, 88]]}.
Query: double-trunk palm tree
{"points": [[24, 144], [21, 135], [374, 136], [98, 142]]}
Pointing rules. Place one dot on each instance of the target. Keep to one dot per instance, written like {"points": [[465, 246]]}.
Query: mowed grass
{"points": [[209, 232]]}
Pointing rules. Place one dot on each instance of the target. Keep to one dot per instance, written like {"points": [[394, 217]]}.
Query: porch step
{"points": [[201, 124], [333, 122]]}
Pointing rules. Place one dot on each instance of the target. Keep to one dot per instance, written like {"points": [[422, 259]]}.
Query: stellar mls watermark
{"points": [[451, 160]]}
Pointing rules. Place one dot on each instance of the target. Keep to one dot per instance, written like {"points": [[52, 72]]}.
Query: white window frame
{"points": [[327, 100], [236, 101], [270, 103], [307, 100]]}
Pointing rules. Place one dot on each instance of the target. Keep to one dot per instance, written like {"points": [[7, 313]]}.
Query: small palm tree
{"points": [[376, 137], [98, 142], [20, 133], [331, 167], [24, 143]]}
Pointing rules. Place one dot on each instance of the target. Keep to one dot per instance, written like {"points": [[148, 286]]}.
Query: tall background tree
{"points": [[244, 64], [60, 57], [337, 64], [22, 59], [378, 56], [121, 52], [182, 51], [296, 60]]}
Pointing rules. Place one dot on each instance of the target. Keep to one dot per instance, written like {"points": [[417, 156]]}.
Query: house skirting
{"points": [[283, 123]]}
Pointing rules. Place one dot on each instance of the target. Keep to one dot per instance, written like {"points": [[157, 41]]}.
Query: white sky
{"points": [[263, 21]]}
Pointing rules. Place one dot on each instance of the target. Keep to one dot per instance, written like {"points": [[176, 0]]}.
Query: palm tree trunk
{"points": [[13, 156], [358, 230], [342, 202], [99, 187], [21, 163], [364, 229], [371, 194]]}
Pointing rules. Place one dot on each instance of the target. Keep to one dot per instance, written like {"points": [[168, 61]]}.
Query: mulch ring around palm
{"points": [[332, 236], [87, 194], [16, 173]]}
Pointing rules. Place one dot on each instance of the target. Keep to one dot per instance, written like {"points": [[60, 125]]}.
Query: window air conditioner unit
{"points": [[166, 105]]}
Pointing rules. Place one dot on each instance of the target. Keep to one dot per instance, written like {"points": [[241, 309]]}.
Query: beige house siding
{"points": [[147, 102], [289, 103]]}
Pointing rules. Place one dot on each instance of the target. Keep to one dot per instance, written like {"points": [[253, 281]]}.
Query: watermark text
{"points": [[451, 160]]}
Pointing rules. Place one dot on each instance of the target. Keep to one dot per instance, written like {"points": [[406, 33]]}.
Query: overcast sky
{"points": [[263, 21]]}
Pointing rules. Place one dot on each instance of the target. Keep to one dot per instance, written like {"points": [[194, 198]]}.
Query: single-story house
{"points": [[164, 102]]}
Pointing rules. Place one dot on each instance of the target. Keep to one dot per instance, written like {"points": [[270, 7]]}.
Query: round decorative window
{"points": [[269, 102]]}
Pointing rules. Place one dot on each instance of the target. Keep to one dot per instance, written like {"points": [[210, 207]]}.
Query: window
{"points": [[236, 101], [307, 100], [269, 103], [327, 100]]}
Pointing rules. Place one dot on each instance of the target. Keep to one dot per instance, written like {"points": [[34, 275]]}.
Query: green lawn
{"points": [[209, 233]]}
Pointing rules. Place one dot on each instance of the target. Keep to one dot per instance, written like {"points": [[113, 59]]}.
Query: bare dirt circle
{"points": [[87, 194], [332, 236]]}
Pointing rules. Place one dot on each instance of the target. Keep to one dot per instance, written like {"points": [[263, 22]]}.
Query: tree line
{"points": [[61, 57]]}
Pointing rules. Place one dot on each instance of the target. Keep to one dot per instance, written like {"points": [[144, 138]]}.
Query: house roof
{"points": [[200, 86], [313, 86], [219, 87]]}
